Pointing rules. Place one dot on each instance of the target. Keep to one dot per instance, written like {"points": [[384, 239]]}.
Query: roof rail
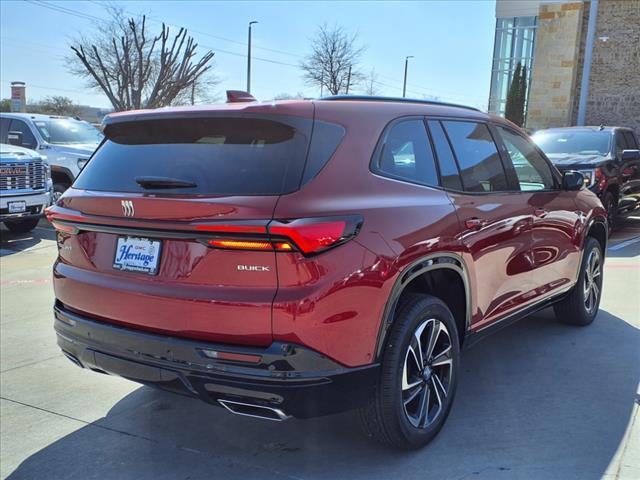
{"points": [[373, 98]]}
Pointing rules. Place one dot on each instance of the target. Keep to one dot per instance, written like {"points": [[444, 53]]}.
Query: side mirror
{"points": [[15, 138], [630, 155], [572, 180]]}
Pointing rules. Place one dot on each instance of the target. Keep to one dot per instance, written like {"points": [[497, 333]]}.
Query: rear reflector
{"points": [[232, 356]]}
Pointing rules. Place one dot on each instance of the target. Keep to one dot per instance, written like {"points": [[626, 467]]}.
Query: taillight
{"points": [[307, 235], [233, 228], [53, 213], [314, 235], [65, 228], [241, 244]]}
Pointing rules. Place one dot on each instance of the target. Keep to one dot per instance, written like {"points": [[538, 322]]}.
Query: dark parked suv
{"points": [[608, 158], [301, 258]]}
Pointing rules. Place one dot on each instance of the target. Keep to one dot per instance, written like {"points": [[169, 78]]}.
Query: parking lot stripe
{"points": [[620, 246]]}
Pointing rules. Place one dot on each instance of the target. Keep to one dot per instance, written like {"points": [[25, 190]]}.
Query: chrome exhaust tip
{"points": [[253, 410]]}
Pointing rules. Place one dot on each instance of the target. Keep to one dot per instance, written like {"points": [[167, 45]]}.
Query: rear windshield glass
{"points": [[202, 156]]}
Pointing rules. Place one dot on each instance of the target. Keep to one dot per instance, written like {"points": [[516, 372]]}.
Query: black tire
{"points": [[574, 308], [21, 226], [610, 204], [58, 190], [386, 417]]}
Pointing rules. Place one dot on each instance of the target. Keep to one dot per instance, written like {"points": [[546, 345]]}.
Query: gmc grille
{"points": [[22, 176]]}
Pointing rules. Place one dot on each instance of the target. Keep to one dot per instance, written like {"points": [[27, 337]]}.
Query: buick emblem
{"points": [[127, 208]]}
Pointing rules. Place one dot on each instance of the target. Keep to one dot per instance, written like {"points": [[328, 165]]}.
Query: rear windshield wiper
{"points": [[164, 182]]}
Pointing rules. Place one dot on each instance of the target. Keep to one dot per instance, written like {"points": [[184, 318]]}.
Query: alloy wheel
{"points": [[427, 373], [592, 283]]}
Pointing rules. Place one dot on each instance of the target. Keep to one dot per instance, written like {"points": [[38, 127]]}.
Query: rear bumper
{"points": [[296, 381]]}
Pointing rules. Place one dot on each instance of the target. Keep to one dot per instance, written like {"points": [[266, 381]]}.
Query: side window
{"points": [[28, 140], [406, 154], [621, 144], [477, 155], [449, 174], [532, 170], [4, 129], [631, 141]]}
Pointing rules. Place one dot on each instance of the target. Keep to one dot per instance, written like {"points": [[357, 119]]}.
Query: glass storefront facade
{"points": [[515, 39]]}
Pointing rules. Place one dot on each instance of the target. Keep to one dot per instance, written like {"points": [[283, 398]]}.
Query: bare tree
{"points": [[55, 105], [334, 52], [202, 91], [371, 83], [288, 96], [136, 69]]}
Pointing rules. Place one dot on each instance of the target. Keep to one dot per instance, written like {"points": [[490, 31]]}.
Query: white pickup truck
{"points": [[66, 142], [25, 187]]}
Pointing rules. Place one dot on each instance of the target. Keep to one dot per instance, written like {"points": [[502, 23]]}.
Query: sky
{"points": [[452, 42]]}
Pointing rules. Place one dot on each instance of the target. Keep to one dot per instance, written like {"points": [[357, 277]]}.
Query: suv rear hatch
{"points": [[166, 227]]}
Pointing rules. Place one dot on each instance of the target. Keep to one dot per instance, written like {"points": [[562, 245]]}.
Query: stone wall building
{"points": [[557, 41]]}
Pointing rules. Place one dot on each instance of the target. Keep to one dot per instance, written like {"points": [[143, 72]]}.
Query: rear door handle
{"points": [[540, 212], [474, 223]]}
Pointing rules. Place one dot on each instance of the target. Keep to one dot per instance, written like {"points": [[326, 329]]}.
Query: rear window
{"points": [[406, 154], [631, 141], [213, 156]]}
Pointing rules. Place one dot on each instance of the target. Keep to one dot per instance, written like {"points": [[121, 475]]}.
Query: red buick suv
{"points": [[302, 258]]}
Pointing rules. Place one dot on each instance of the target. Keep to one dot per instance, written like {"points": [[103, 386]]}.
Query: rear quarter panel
{"points": [[335, 302]]}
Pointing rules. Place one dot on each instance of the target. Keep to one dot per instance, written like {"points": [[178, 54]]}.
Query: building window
{"points": [[515, 38]]}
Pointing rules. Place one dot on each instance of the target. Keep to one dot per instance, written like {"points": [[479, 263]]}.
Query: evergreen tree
{"points": [[523, 95], [513, 96]]}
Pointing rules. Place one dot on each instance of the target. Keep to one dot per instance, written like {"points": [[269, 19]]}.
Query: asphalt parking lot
{"points": [[536, 400]]}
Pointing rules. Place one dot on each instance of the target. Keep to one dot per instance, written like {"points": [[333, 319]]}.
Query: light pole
{"points": [[404, 85], [249, 58]]}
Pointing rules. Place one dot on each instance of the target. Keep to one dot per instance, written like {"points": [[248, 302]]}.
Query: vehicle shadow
{"points": [[537, 400], [12, 242], [627, 230]]}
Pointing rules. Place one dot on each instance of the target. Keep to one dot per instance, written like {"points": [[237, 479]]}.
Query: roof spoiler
{"points": [[238, 96]]}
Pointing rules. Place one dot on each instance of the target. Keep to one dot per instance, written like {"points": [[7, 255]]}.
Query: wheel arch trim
{"points": [[63, 171], [600, 222], [428, 263]]}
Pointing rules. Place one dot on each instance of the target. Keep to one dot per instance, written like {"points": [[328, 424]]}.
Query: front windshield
{"points": [[574, 142], [67, 131]]}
